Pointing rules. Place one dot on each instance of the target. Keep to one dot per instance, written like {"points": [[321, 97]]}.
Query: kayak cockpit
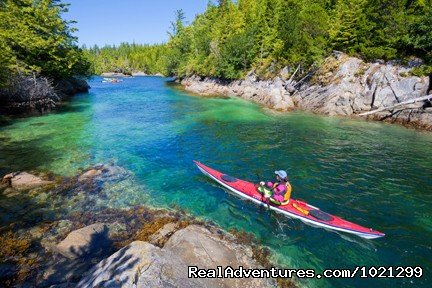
{"points": [[228, 178]]}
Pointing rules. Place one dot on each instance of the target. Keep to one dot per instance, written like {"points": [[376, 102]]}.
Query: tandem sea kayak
{"points": [[295, 208]]}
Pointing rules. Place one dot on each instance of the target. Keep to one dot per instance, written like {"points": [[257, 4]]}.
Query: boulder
{"points": [[88, 241], [24, 180], [197, 246], [70, 86], [142, 264]]}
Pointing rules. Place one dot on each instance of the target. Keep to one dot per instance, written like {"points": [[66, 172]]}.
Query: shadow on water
{"points": [[24, 154]]}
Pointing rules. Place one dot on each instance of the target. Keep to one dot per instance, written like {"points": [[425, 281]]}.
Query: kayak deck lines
{"points": [[294, 209]]}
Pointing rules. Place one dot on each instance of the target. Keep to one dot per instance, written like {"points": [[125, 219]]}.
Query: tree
{"points": [[351, 29], [38, 40]]}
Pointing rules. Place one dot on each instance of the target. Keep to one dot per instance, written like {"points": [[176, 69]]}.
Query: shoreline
{"points": [[61, 243], [28, 96], [343, 86]]}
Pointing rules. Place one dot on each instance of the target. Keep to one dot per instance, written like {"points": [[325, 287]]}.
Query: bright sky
{"points": [[112, 22]]}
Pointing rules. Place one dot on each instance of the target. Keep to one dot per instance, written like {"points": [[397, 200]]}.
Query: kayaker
{"points": [[280, 190]]}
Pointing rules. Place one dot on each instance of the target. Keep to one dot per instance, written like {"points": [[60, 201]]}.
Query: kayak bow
{"points": [[295, 208]]}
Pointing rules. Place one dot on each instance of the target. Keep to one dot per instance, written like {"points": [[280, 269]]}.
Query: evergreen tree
{"points": [[36, 39]]}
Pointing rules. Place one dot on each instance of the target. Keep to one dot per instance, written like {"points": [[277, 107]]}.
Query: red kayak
{"points": [[295, 208]]}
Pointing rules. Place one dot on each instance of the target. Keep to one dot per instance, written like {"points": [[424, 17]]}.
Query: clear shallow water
{"points": [[374, 174]]}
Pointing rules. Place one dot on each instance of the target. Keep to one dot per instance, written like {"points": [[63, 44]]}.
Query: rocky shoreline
{"points": [[26, 95], [54, 233], [132, 74], [343, 85]]}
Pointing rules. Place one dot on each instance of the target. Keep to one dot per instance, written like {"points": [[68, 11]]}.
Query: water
{"points": [[374, 174]]}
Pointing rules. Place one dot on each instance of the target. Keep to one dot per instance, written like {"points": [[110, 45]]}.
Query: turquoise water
{"points": [[374, 174]]}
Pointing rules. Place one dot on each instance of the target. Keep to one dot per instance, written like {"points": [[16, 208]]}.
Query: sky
{"points": [[112, 22]]}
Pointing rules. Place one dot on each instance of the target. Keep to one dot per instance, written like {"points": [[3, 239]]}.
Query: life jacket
{"points": [[287, 194]]}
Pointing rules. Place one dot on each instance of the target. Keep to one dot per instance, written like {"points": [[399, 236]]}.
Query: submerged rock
{"points": [[24, 180], [89, 174], [104, 173]]}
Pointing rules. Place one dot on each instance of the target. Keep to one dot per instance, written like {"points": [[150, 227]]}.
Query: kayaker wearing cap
{"points": [[281, 189]]}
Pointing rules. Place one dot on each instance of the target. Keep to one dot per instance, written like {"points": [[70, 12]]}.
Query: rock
{"points": [[113, 74], [139, 74], [197, 246], [24, 180], [142, 264], [284, 73], [354, 87], [104, 173], [61, 272], [343, 86], [35, 95], [88, 241], [79, 84], [89, 174], [159, 75], [415, 62], [70, 86], [8, 270], [162, 235]]}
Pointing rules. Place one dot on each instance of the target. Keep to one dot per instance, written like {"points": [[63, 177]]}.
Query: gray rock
{"points": [[197, 246], [284, 73], [142, 264], [113, 74], [415, 62], [139, 73], [86, 242], [350, 87], [355, 87], [163, 234]]}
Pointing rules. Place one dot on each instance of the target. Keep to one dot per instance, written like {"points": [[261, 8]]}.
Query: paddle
{"points": [[262, 193]]}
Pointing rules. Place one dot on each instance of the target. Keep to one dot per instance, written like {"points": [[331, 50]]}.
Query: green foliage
{"points": [[127, 58], [423, 70], [35, 39], [232, 38]]}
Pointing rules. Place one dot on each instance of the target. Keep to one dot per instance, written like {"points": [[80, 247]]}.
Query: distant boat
{"points": [[111, 80]]}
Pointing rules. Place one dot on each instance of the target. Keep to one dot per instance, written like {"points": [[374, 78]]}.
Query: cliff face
{"points": [[342, 86], [348, 86]]}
